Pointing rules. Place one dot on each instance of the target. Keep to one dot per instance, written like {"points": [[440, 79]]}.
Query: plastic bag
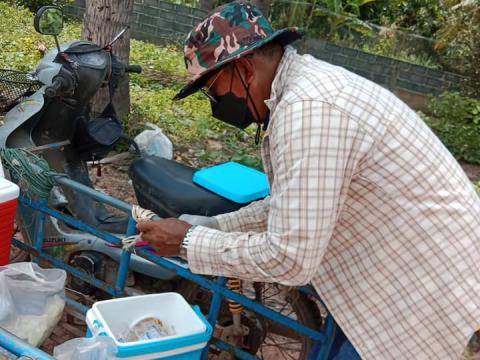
{"points": [[97, 348], [154, 142], [32, 300], [146, 329]]}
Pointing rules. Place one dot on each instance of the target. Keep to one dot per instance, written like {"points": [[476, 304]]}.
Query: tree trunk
{"points": [[103, 20], [263, 5]]}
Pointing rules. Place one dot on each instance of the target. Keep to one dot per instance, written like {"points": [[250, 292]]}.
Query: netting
{"points": [[31, 172], [14, 86]]}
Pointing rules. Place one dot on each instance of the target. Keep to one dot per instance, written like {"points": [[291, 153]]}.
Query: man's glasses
{"points": [[206, 90]]}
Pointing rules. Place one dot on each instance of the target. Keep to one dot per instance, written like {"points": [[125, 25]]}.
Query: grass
{"points": [[199, 139]]}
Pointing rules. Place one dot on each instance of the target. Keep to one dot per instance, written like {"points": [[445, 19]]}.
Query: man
{"points": [[366, 204]]}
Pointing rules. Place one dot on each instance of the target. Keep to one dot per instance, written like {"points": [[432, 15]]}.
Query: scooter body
{"points": [[49, 117]]}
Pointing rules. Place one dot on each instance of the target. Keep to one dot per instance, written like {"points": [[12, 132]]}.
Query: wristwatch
{"points": [[186, 241]]}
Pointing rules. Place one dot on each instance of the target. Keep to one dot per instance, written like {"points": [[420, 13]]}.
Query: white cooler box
{"points": [[192, 330]]}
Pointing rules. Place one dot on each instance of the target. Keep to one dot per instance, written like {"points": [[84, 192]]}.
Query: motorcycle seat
{"points": [[165, 187]]}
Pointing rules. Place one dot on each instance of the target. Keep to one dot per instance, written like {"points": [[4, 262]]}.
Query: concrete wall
{"points": [[154, 20], [160, 21]]}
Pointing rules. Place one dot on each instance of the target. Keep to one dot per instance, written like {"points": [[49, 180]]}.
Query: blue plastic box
{"points": [[193, 331], [233, 181]]}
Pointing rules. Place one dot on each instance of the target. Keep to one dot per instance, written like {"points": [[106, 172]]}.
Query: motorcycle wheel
{"points": [[265, 339]]}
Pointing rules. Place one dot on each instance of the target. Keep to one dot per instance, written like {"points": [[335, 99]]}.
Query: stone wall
{"points": [[159, 21], [413, 83]]}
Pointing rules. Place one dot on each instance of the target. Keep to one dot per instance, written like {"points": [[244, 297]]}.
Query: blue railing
{"points": [[217, 287]]}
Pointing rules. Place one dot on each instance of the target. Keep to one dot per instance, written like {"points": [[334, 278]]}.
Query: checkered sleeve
{"points": [[252, 217], [315, 148]]}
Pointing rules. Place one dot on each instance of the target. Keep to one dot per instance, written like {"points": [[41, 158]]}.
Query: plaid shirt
{"points": [[368, 206]]}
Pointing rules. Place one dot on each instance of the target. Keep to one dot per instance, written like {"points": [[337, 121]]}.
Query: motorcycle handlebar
{"points": [[58, 86], [133, 69]]}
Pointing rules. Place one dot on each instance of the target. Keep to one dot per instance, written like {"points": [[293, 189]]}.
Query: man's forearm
{"points": [[252, 217]]}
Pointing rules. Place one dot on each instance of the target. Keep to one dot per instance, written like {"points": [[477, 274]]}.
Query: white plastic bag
{"points": [[154, 142], [97, 348], [32, 300]]}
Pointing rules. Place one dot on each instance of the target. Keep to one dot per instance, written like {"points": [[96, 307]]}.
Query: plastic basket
{"points": [[14, 86]]}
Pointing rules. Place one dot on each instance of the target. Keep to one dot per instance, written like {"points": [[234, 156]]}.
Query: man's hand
{"points": [[165, 235]]}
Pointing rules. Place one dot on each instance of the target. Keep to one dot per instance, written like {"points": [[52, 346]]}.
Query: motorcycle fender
{"points": [[20, 114]]}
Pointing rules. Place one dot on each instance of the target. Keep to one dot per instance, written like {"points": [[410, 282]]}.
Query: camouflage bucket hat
{"points": [[229, 32]]}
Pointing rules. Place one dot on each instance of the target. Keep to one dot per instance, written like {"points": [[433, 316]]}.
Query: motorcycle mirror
{"points": [[49, 21]]}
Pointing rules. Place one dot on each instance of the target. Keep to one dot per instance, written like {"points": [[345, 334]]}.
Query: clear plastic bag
{"points": [[146, 329], [154, 142], [32, 300], [97, 348]]}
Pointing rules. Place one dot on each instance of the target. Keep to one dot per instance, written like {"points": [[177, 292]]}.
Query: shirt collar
{"points": [[280, 78]]}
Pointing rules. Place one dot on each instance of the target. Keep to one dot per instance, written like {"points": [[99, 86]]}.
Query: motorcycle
{"points": [[57, 119]]}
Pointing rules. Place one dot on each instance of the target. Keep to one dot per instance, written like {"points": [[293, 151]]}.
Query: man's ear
{"points": [[246, 68]]}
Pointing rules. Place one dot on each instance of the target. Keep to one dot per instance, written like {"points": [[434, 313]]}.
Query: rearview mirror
{"points": [[48, 20]]}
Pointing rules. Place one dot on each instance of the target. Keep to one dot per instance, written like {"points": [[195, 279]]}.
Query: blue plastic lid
{"points": [[233, 181]]}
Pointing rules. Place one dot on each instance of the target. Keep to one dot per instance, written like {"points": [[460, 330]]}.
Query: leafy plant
{"points": [[386, 44], [342, 18], [19, 41], [459, 41], [421, 17], [456, 120]]}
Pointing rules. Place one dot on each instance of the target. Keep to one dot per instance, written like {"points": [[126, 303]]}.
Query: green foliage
{"points": [[329, 19], [456, 120], [422, 17], [387, 45], [19, 40], [459, 41]]}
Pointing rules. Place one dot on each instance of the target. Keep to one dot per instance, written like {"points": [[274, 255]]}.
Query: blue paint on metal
{"points": [[39, 230], [70, 220], [63, 265], [218, 288], [202, 281], [239, 354], [329, 329], [214, 310], [82, 309], [19, 347], [125, 260], [121, 205]]}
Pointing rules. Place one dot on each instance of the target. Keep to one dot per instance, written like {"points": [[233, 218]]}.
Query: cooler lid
{"points": [[233, 181], [8, 190]]}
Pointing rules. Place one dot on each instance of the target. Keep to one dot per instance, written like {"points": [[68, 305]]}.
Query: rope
{"points": [[138, 214], [34, 176], [31, 172]]}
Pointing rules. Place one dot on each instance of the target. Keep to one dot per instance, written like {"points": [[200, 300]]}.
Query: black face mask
{"points": [[232, 109]]}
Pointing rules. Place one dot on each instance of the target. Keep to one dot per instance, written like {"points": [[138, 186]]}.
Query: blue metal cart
{"points": [[322, 337]]}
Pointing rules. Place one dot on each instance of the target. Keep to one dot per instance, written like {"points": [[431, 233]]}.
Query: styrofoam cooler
{"points": [[8, 205], [192, 330]]}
